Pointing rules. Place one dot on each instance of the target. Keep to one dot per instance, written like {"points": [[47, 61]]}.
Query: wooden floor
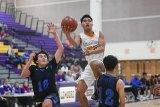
{"points": [[149, 103]]}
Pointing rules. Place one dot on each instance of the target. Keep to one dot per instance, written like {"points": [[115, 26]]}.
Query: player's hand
{"points": [[67, 30], [51, 28], [88, 52], [32, 55]]}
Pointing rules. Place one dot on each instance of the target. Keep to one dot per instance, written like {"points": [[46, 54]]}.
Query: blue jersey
{"points": [[107, 92], [43, 80]]}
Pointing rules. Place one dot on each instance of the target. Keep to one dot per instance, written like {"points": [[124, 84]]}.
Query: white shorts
{"points": [[88, 76]]}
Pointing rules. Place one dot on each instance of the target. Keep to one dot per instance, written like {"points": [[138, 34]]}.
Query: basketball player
{"points": [[93, 45], [43, 74], [110, 89]]}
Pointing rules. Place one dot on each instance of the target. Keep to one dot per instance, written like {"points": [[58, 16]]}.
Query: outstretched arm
{"points": [[67, 31], [60, 49], [25, 72]]}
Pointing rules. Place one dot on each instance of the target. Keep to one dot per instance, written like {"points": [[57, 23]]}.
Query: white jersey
{"points": [[91, 43]]}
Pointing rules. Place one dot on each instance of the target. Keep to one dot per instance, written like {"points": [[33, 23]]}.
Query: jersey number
{"points": [[43, 85], [109, 96]]}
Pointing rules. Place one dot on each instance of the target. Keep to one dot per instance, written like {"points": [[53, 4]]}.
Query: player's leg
{"points": [[47, 103], [81, 89], [97, 69], [95, 94], [51, 101]]}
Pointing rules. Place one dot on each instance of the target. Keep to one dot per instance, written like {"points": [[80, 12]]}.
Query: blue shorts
{"points": [[55, 100]]}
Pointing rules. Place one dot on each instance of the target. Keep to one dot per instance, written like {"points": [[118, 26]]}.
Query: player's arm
{"points": [[120, 89], [25, 71], [101, 44], [60, 49], [75, 42]]}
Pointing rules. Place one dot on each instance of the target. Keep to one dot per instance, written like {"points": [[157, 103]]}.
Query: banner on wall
{"points": [[89, 92], [67, 94]]}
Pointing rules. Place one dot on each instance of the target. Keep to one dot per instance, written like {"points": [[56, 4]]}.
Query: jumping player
{"points": [[93, 45], [43, 74]]}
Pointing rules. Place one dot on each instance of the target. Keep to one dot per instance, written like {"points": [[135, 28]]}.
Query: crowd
{"points": [[143, 86], [6, 88], [16, 59], [3, 30]]}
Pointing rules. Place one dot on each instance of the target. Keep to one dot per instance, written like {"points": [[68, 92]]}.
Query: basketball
{"points": [[70, 22], [97, 67]]}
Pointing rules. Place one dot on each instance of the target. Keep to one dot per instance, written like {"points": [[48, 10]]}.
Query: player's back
{"points": [[107, 92]]}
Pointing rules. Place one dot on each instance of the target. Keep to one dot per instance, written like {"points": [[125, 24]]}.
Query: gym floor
{"points": [[148, 103]]}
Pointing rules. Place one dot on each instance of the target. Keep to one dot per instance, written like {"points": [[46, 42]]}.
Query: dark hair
{"points": [[36, 56], [86, 16], [144, 73], [110, 62]]}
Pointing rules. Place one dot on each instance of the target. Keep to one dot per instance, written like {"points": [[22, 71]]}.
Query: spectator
{"points": [[3, 30], [69, 60], [25, 87], [27, 90], [5, 88], [64, 68], [76, 70], [60, 76], [17, 88], [136, 86], [123, 79], [69, 76], [83, 62], [13, 57], [159, 79], [10, 51], [24, 58], [63, 59], [145, 84], [152, 83], [156, 79]]}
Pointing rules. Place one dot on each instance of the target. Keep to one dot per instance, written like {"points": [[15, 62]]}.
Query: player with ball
{"points": [[93, 45]]}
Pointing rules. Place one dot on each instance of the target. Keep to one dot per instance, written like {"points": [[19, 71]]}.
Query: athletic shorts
{"points": [[88, 76], [55, 100]]}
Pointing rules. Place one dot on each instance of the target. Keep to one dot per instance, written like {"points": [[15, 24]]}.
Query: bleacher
{"points": [[36, 39]]}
